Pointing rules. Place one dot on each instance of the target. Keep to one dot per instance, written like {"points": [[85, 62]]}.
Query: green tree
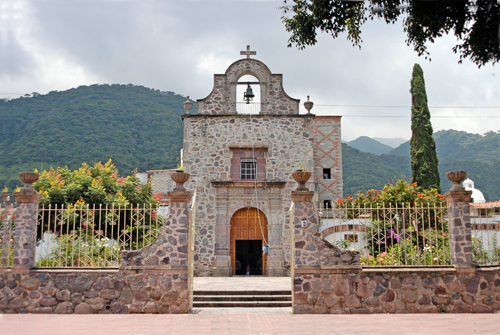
{"points": [[424, 161], [474, 23]]}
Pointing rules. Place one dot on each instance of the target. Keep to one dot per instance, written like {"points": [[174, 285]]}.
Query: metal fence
{"points": [[248, 108], [7, 235], [404, 235], [94, 236]]}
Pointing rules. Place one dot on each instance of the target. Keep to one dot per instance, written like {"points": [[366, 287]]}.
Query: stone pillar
{"points": [[178, 228], [304, 223], [275, 258], [222, 261], [25, 235], [458, 200]]}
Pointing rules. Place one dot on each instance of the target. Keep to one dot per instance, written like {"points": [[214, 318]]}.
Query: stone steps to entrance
{"points": [[224, 299]]}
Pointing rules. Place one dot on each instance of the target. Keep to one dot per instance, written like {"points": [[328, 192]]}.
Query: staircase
{"points": [[241, 298]]}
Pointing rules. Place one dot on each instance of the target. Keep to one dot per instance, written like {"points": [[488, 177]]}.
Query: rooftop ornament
{"points": [[187, 105], [308, 105]]}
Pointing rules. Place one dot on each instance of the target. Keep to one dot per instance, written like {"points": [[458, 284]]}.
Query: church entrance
{"points": [[248, 240]]}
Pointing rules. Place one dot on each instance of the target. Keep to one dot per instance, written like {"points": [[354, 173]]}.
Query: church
{"points": [[240, 156]]}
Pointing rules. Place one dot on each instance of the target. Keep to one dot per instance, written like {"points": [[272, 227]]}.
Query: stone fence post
{"points": [[458, 200], [26, 217]]}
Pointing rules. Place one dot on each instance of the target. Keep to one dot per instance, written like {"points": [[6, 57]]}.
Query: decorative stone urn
{"points": [[6, 197], [180, 178], [456, 177], [301, 177], [28, 178]]}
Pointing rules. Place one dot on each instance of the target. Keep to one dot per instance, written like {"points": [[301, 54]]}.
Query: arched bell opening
{"points": [[248, 246], [248, 95]]}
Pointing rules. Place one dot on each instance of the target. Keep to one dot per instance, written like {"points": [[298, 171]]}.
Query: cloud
{"points": [[179, 45]]}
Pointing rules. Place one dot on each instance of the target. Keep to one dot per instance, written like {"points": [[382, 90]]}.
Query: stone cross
{"points": [[248, 53]]}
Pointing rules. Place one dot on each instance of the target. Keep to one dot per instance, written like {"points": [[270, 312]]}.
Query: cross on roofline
{"points": [[248, 53]]}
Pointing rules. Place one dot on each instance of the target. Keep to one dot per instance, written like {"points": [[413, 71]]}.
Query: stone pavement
{"points": [[222, 324]]}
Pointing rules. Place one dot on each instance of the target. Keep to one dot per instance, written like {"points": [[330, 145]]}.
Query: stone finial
{"points": [[456, 178], [308, 105], [28, 194], [301, 177], [187, 105]]}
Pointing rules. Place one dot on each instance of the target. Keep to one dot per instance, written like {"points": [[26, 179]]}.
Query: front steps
{"points": [[242, 298]]}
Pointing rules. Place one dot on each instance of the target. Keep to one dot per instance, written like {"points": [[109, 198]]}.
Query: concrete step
{"points": [[240, 298], [225, 304], [243, 292]]}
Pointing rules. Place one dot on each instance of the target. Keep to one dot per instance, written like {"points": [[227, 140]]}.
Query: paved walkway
{"points": [[239, 324], [248, 283], [248, 320]]}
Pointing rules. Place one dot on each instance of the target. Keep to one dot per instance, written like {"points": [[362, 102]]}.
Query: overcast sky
{"points": [[178, 45]]}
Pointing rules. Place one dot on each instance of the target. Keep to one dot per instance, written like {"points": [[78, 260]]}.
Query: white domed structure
{"points": [[477, 196]]}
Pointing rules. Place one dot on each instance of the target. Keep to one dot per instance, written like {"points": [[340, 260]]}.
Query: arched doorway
{"points": [[248, 235]]}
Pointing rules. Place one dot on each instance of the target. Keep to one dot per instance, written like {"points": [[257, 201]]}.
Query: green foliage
{"points": [[97, 184], [82, 249], [474, 23], [404, 220], [139, 128], [424, 161], [398, 194]]}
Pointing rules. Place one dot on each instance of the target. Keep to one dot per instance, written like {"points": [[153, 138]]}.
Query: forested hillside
{"points": [[140, 128], [460, 145], [457, 150], [137, 127], [367, 144]]}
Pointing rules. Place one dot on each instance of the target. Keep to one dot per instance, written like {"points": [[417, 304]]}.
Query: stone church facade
{"points": [[240, 166]]}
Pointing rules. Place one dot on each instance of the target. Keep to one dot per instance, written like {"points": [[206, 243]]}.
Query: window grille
{"points": [[248, 169]]}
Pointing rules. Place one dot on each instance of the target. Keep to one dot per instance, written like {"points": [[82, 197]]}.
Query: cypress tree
{"points": [[424, 161]]}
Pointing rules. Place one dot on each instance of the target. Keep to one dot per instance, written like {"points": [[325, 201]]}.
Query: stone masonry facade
{"points": [[210, 144]]}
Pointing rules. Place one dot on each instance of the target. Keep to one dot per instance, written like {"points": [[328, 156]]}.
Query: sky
{"points": [[178, 45]]}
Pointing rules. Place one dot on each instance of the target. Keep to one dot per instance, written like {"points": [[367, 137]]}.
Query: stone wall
{"points": [[131, 290], [347, 290]]}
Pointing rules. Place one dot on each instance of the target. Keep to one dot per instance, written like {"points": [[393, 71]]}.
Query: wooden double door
{"points": [[248, 236]]}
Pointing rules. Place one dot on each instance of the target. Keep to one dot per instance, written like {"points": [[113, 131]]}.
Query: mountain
{"points": [[141, 128], [137, 127], [367, 144], [392, 142], [460, 145], [363, 171]]}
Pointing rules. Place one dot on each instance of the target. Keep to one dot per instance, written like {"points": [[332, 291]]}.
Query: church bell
{"points": [[248, 96]]}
